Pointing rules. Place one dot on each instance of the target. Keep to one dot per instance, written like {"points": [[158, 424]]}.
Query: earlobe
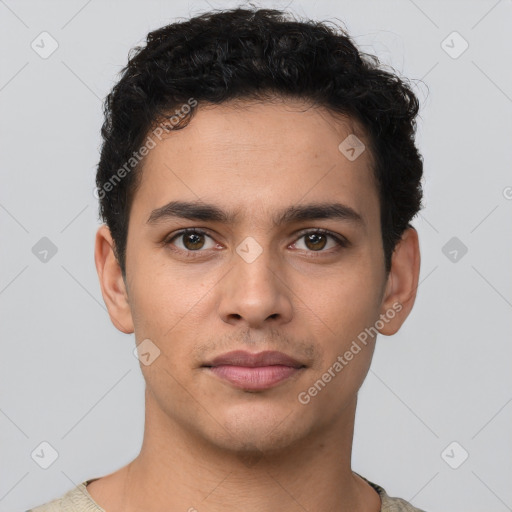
{"points": [[402, 283], [112, 284]]}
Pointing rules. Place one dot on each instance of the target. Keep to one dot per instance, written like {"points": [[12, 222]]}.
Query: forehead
{"points": [[239, 154]]}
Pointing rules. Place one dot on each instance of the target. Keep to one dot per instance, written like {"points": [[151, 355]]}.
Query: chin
{"points": [[262, 430]]}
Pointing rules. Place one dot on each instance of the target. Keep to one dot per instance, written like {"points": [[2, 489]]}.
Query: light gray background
{"points": [[69, 378]]}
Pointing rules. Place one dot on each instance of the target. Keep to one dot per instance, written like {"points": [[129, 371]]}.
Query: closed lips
{"points": [[244, 358]]}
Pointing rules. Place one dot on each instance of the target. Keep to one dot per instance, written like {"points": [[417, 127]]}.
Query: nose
{"points": [[255, 293]]}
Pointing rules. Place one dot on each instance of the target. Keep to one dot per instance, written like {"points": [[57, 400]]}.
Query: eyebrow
{"points": [[209, 212]]}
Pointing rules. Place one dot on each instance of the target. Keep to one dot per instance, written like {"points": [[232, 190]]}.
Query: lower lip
{"points": [[261, 377]]}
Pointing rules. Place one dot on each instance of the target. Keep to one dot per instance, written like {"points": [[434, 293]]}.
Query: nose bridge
{"points": [[254, 263], [254, 266], [253, 290]]}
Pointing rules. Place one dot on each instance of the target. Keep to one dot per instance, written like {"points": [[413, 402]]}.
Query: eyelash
{"points": [[340, 241]]}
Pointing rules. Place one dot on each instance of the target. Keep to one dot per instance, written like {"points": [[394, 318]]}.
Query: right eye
{"points": [[192, 240]]}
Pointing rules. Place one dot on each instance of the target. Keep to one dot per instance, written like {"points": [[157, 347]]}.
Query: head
{"points": [[257, 131]]}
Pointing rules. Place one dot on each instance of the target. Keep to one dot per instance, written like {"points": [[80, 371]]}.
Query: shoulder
{"points": [[391, 503], [51, 506], [75, 500]]}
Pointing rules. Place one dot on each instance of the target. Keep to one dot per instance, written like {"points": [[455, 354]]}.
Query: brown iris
{"points": [[195, 239], [313, 239]]}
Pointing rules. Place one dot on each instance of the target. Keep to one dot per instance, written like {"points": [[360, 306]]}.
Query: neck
{"points": [[177, 470]]}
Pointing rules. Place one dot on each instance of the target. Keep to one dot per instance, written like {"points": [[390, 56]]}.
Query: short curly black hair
{"points": [[251, 53]]}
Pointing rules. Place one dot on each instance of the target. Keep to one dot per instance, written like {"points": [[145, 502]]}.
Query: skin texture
{"points": [[207, 444]]}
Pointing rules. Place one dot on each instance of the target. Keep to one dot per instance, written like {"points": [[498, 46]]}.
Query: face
{"points": [[261, 270]]}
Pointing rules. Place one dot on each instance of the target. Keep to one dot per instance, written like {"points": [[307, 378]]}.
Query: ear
{"points": [[113, 287], [402, 283]]}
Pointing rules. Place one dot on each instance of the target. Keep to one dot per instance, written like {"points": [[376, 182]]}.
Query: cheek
{"points": [[344, 302], [346, 306], [166, 301]]}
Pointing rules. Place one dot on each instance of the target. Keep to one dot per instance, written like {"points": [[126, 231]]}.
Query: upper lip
{"points": [[243, 358]]}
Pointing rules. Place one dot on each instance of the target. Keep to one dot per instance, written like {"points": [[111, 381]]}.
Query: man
{"points": [[257, 180]]}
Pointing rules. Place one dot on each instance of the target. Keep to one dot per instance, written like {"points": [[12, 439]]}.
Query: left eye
{"points": [[317, 240]]}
